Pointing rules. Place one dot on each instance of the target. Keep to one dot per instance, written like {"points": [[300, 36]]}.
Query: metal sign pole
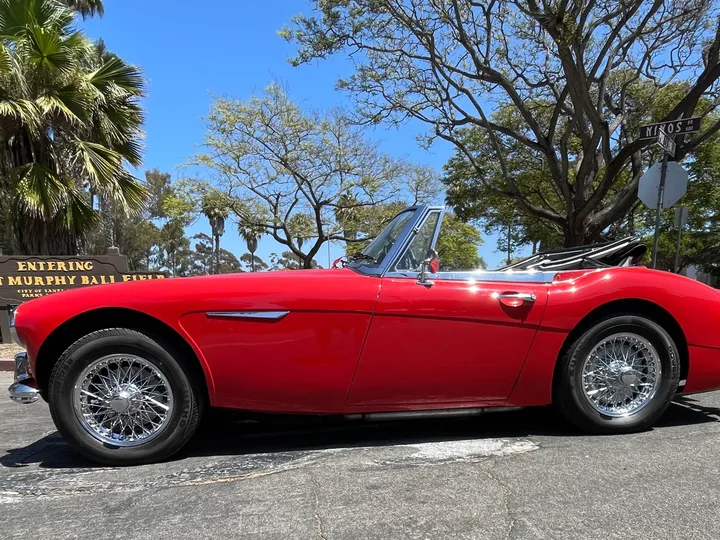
{"points": [[664, 133], [681, 214], [677, 252], [658, 210]]}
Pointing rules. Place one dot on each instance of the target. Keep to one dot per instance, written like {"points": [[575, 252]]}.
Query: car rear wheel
{"points": [[120, 397], [619, 376]]}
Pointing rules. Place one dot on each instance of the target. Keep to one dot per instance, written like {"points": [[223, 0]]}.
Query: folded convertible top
{"points": [[626, 252]]}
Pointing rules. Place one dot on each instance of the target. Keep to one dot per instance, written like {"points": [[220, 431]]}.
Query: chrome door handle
{"points": [[516, 299]]}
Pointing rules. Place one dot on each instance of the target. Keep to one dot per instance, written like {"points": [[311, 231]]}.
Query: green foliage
{"points": [[253, 263], [542, 101], [457, 245], [301, 177], [700, 240], [204, 258], [70, 120], [156, 240], [174, 253], [473, 197], [288, 261]]}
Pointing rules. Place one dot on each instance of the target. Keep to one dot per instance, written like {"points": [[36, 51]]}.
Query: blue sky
{"points": [[190, 51]]}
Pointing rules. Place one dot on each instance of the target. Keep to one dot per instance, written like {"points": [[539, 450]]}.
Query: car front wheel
{"points": [[619, 376], [119, 397]]}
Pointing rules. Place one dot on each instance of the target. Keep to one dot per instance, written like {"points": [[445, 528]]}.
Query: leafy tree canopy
{"points": [[301, 177], [565, 83]]}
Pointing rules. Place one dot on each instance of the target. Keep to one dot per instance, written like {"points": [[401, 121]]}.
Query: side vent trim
{"points": [[250, 315]]}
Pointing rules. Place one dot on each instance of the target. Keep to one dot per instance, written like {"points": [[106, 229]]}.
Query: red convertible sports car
{"points": [[128, 369]]}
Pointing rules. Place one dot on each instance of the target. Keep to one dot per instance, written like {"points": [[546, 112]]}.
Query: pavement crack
{"points": [[512, 520], [316, 511]]}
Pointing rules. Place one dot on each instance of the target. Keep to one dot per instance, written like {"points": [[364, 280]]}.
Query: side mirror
{"points": [[432, 263]]}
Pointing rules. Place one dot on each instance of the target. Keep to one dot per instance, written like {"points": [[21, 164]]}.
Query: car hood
{"points": [[189, 287]]}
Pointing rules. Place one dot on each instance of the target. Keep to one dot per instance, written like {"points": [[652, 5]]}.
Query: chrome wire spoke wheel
{"points": [[123, 400], [621, 374]]}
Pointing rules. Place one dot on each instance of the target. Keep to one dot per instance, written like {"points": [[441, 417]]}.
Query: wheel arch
{"points": [[98, 319], [635, 306]]}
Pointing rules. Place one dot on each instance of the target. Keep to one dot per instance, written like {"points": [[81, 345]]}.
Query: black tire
{"points": [[569, 396], [181, 424]]}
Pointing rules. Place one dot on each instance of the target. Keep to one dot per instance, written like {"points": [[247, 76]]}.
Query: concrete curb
{"points": [[7, 365]]}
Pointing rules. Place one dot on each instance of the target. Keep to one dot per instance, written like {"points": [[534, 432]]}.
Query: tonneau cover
{"points": [[626, 252]]}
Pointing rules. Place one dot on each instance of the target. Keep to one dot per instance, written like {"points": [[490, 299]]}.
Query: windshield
{"points": [[379, 248]]}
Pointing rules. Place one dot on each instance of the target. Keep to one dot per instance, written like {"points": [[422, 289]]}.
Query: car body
{"points": [[384, 334]]}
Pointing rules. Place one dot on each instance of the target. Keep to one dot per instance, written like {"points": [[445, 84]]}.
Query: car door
{"points": [[461, 337]]}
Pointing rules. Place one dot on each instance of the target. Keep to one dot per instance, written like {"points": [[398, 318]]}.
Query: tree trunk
{"points": [[252, 261], [107, 223], [38, 237], [575, 235], [217, 253]]}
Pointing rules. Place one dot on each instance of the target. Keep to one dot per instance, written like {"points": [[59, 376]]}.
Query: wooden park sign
{"points": [[27, 277], [23, 278]]}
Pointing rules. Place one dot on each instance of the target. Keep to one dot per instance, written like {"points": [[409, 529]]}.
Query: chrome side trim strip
{"points": [[258, 315], [436, 413], [483, 275]]}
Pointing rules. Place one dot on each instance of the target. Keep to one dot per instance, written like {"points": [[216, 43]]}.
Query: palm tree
{"points": [[69, 122], [86, 8], [251, 234], [215, 207]]}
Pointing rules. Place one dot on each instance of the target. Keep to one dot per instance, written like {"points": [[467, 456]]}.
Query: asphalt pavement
{"points": [[523, 474]]}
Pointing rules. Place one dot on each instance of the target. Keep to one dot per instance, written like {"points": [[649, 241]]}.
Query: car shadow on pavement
{"points": [[687, 410], [231, 433]]}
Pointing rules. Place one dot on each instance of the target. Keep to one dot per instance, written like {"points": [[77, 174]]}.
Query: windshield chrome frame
{"points": [[421, 212], [369, 269], [423, 216]]}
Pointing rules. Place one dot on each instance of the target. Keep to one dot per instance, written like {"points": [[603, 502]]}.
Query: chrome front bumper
{"points": [[20, 390]]}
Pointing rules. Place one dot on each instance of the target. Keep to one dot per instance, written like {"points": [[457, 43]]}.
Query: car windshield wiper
{"points": [[363, 257]]}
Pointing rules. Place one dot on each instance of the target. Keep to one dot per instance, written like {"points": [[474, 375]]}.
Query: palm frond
{"points": [[131, 194], [118, 73], [69, 101], [81, 46], [6, 62], [51, 14], [131, 151], [102, 165], [17, 15], [108, 178], [111, 129], [119, 121], [46, 48], [39, 191], [79, 215], [22, 110], [87, 8]]}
